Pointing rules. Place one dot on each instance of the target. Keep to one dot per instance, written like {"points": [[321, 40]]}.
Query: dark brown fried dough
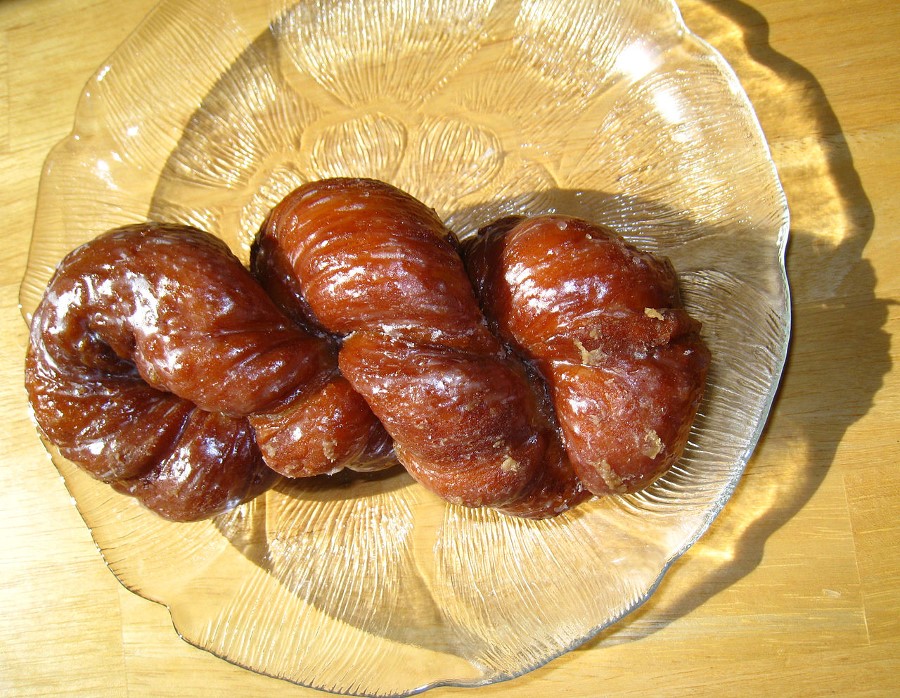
{"points": [[376, 266], [605, 325], [213, 467], [159, 364], [154, 340]]}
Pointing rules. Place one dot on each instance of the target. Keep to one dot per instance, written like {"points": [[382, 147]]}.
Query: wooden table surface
{"points": [[796, 587]]}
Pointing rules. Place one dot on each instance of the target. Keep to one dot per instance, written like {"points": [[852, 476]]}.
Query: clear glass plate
{"points": [[610, 110]]}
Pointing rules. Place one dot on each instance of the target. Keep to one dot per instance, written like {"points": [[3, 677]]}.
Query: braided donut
{"points": [[149, 350], [161, 366], [604, 324], [371, 264]]}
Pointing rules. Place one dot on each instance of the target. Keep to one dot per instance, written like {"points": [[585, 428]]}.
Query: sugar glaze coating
{"points": [[605, 326], [543, 361], [149, 351], [378, 268]]}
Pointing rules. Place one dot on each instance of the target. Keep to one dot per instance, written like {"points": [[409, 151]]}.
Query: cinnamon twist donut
{"points": [[605, 326], [369, 263], [149, 351]]}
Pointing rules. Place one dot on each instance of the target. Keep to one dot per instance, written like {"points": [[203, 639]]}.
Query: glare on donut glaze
{"points": [[370, 263], [159, 364], [604, 324], [149, 350]]}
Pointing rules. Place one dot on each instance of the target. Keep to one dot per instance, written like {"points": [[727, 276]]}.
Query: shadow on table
{"points": [[832, 286]]}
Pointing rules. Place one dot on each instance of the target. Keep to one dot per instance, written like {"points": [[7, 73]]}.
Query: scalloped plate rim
{"points": [[781, 240]]}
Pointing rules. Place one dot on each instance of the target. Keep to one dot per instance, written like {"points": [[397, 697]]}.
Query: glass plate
{"points": [[610, 110]]}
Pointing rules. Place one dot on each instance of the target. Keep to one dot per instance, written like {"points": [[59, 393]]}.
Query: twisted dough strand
{"points": [[605, 325], [160, 365], [378, 267], [148, 351]]}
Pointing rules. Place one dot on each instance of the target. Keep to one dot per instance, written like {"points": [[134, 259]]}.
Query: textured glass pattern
{"points": [[610, 110]]}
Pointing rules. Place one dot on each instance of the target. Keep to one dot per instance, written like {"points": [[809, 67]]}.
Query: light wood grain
{"points": [[796, 588]]}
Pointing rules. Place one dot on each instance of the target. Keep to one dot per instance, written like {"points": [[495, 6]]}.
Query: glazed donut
{"points": [[154, 353], [543, 361], [604, 325], [370, 264]]}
